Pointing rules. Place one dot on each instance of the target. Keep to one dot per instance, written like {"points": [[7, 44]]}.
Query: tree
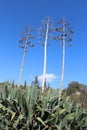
{"points": [[36, 82], [78, 93], [72, 87], [45, 33], [24, 43], [65, 36], [25, 84]]}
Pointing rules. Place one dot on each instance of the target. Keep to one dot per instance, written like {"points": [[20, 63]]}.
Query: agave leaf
{"points": [[62, 111], [13, 115], [70, 117], [55, 108], [58, 128], [7, 128], [67, 98], [1, 106], [41, 121], [39, 108], [20, 117]]}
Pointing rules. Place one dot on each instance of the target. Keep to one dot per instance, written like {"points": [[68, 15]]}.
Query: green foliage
{"points": [[11, 115], [72, 87], [6, 90], [78, 93], [29, 109], [61, 115], [75, 86]]}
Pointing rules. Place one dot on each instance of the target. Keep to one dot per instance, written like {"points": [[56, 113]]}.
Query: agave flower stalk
{"points": [[45, 31], [24, 43], [65, 36], [45, 57], [63, 59]]}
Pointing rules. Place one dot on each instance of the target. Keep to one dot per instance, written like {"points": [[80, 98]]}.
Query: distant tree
{"points": [[25, 84], [36, 81], [73, 84], [24, 43], [45, 34], [72, 87], [65, 35]]}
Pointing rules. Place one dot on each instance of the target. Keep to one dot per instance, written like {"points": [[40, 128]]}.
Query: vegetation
{"points": [[77, 93], [28, 109]]}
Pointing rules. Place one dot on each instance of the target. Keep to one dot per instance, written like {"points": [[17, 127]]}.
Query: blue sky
{"points": [[16, 14]]}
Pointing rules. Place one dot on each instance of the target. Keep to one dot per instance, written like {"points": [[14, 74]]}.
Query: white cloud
{"points": [[30, 77], [49, 77]]}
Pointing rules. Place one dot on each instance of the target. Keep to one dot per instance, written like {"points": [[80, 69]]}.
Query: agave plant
{"points": [[11, 115], [29, 109]]}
